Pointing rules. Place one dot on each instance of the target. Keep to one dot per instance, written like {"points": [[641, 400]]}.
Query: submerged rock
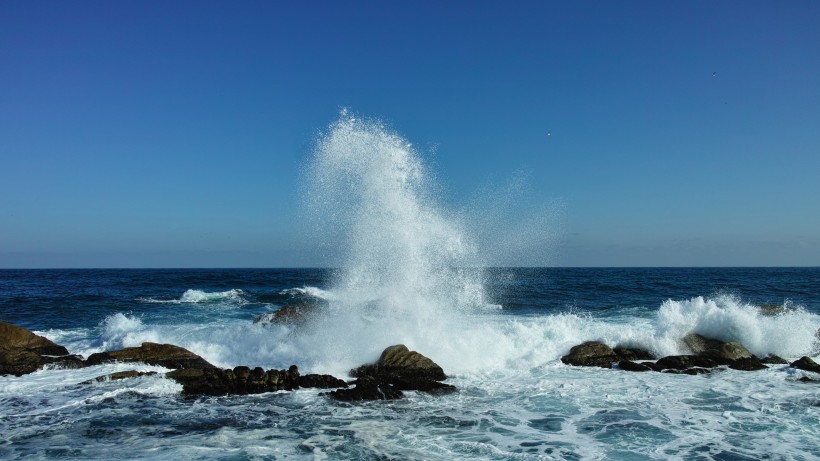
{"points": [[23, 352], [398, 369], [120, 375], [164, 355], [289, 314]]}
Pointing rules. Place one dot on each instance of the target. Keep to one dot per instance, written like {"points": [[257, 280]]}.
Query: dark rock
{"points": [[22, 352], [772, 359], [722, 352], [402, 369], [629, 365], [243, 380], [633, 354], [65, 361], [807, 364], [120, 375], [591, 354], [321, 381], [295, 314], [682, 362], [697, 344], [747, 364], [806, 379], [398, 360], [164, 355], [695, 371], [368, 388], [771, 310]]}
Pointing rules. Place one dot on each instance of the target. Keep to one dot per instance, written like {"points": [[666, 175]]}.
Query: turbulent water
{"points": [[410, 272]]}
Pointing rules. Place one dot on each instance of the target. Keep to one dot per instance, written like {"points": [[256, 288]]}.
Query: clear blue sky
{"points": [[173, 134]]}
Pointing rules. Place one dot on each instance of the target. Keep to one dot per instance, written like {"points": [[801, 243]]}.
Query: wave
{"points": [[199, 296]]}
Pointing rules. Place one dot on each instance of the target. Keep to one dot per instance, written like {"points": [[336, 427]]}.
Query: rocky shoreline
{"points": [[398, 369]]}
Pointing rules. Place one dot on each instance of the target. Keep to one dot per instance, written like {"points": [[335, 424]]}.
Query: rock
{"points": [[633, 354], [22, 352], [321, 381], [368, 388], [697, 344], [295, 314], [696, 371], [772, 359], [629, 365], [400, 362], [747, 364], [771, 310], [120, 375], [725, 353], [401, 369], [244, 380], [683, 362], [806, 379], [807, 364], [164, 355], [591, 354]]}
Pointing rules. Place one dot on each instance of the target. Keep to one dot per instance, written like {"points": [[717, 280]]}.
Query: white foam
{"points": [[198, 296]]}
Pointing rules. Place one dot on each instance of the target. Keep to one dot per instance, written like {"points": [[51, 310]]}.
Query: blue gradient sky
{"points": [[173, 134]]}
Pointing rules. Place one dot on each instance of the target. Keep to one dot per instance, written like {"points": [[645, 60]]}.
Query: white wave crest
{"points": [[199, 296]]}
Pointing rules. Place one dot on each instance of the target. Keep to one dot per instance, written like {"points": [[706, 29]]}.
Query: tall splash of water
{"points": [[407, 270]]}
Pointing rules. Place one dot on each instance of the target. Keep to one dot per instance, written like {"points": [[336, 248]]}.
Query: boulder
{"points": [[629, 365], [164, 355], [633, 354], [747, 364], [683, 362], [772, 359], [591, 354], [22, 352], [289, 314], [807, 364], [398, 368]]}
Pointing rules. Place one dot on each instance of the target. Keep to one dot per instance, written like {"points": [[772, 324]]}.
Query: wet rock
{"points": [[591, 354], [806, 379], [629, 365], [720, 351], [695, 371], [633, 354], [321, 381], [368, 388], [683, 362], [164, 355], [401, 369], [120, 375], [290, 314], [807, 364], [23, 352], [747, 364], [772, 359]]}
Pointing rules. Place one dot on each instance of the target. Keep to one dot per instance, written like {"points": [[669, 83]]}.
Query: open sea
{"points": [[516, 400]]}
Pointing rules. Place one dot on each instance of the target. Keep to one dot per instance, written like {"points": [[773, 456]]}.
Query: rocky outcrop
{"points": [[120, 375], [244, 380], [290, 314], [591, 354], [398, 369], [163, 355], [597, 354], [629, 365], [807, 364], [23, 352], [368, 388]]}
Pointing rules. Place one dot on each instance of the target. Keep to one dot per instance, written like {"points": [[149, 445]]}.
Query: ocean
{"points": [[410, 271], [516, 400]]}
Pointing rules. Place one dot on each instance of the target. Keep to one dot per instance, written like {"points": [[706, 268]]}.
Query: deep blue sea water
{"points": [[499, 334]]}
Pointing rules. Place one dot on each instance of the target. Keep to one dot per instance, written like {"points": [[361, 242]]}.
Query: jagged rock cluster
{"points": [[704, 355], [398, 369]]}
